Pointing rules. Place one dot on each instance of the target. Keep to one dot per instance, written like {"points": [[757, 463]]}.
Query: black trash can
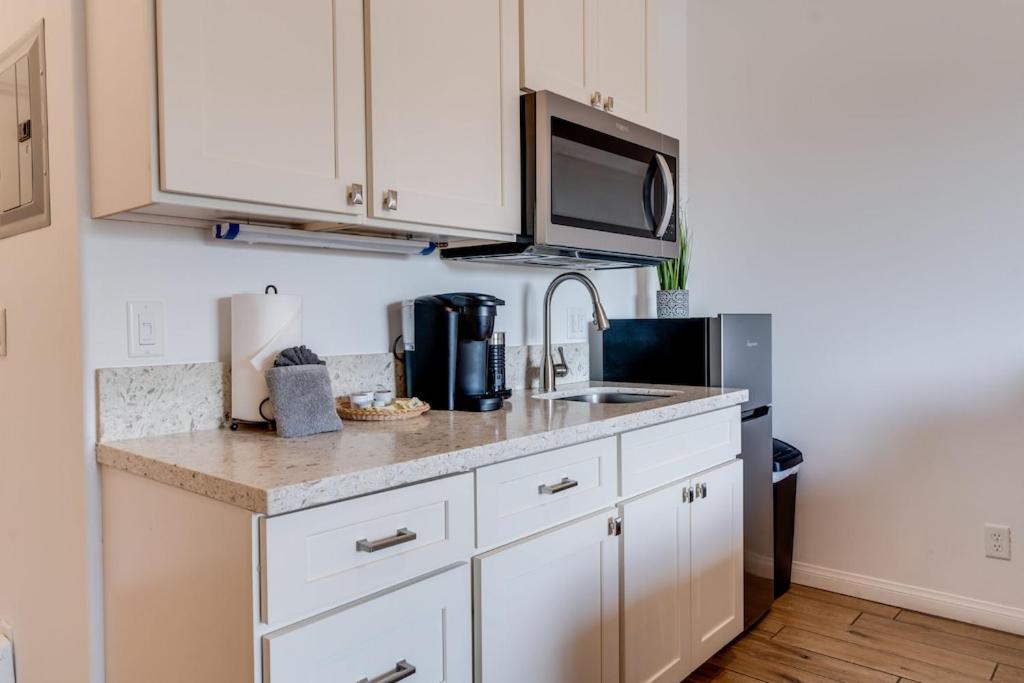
{"points": [[785, 465]]}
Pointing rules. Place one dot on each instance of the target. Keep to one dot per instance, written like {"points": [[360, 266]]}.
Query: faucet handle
{"points": [[561, 367]]}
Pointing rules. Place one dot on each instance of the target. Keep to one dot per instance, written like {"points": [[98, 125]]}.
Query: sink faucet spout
{"points": [[600, 320]]}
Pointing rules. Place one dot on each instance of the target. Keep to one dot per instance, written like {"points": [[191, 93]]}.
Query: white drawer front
{"points": [[654, 456], [519, 497], [424, 626], [317, 559]]}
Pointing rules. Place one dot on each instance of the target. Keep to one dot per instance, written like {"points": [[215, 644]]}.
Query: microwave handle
{"points": [[670, 195]]}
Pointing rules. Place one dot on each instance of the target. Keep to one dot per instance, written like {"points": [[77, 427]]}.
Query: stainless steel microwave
{"points": [[598, 191]]}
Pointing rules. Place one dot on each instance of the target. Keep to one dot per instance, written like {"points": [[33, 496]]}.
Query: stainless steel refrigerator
{"points": [[729, 350]]}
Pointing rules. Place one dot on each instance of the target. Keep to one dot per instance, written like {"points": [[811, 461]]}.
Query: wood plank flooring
{"points": [[812, 636]]}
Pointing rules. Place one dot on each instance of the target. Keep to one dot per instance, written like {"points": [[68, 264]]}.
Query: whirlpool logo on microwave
{"points": [[623, 128]]}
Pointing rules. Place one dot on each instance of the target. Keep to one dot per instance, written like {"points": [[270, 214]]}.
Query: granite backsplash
{"points": [[140, 401]]}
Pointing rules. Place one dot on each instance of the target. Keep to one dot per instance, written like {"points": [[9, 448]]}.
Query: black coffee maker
{"points": [[447, 364]]}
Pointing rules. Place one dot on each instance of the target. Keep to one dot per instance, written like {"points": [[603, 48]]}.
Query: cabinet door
{"points": [[422, 630], [444, 112], [716, 529], [554, 47], [656, 587], [262, 100], [621, 51], [666, 72], [546, 608]]}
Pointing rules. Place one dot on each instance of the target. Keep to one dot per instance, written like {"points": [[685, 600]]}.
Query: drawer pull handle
{"points": [[401, 536], [403, 670], [563, 485]]}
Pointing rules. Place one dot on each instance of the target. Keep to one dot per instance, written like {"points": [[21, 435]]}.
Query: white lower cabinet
{"points": [[588, 586], [546, 608], [420, 632], [682, 575], [716, 568], [520, 497], [316, 559], [656, 645]]}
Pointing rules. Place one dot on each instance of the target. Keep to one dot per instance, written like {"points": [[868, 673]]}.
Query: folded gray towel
{"points": [[302, 399], [297, 355]]}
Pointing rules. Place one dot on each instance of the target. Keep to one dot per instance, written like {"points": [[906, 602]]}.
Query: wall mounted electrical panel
{"points": [[24, 176]]}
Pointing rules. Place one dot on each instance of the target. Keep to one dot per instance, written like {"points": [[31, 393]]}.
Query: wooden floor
{"points": [[812, 635]]}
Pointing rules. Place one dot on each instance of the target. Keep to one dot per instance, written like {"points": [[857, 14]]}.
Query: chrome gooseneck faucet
{"points": [[600, 320]]}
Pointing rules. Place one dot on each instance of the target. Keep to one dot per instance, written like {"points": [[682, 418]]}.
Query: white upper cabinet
{"points": [[666, 70], [621, 51], [262, 101], [443, 112], [716, 584], [623, 56], [554, 47], [396, 115], [307, 114]]}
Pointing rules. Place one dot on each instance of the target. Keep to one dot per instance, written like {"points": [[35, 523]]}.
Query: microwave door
{"points": [[597, 191]]}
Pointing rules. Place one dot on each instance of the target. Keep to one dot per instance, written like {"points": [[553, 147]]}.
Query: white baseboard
{"points": [[925, 600]]}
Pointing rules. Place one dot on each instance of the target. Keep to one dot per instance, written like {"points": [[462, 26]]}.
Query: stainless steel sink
{"points": [[612, 397]]}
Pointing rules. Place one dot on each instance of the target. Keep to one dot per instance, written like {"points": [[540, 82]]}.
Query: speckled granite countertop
{"points": [[254, 469]]}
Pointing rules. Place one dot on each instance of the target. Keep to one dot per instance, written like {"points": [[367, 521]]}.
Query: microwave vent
{"points": [[523, 254]]}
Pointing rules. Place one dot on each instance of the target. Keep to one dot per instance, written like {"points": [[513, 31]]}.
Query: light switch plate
{"points": [[145, 329], [576, 323], [3, 333]]}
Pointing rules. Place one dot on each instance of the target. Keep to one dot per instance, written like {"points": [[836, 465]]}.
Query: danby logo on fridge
{"points": [[751, 344]]}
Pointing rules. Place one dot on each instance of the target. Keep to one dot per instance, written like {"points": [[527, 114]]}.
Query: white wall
{"points": [[856, 169], [44, 565], [350, 301]]}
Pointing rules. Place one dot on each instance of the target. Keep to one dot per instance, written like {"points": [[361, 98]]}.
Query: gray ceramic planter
{"points": [[673, 303]]}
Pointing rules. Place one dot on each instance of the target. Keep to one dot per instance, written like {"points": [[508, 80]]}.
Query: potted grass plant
{"points": [[673, 298]]}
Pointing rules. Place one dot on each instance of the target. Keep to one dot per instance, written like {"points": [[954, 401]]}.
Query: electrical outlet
{"points": [[997, 541], [577, 323]]}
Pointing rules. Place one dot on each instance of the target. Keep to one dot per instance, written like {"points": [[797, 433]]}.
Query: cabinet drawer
{"points": [[657, 455], [423, 630], [518, 497], [317, 559]]}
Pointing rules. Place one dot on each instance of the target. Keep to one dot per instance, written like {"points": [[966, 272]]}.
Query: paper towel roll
{"points": [[262, 325]]}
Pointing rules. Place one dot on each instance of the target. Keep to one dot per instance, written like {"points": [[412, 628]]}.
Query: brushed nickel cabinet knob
{"points": [[355, 194]]}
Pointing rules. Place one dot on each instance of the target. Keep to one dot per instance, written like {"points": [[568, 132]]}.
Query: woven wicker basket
{"points": [[388, 414]]}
